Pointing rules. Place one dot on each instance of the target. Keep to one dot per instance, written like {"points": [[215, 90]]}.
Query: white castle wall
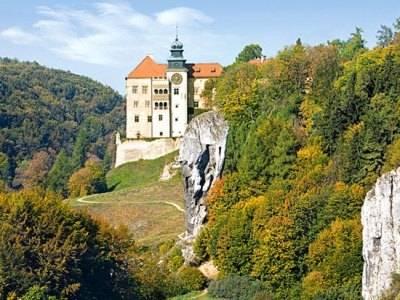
{"points": [[134, 150]]}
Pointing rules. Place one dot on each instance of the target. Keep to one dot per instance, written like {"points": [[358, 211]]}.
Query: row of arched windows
{"points": [[161, 105], [160, 91]]}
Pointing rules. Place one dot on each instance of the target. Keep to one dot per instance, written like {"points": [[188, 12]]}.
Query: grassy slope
{"points": [[138, 174], [138, 201]]}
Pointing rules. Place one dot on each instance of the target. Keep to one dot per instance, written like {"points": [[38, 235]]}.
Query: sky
{"points": [[105, 39]]}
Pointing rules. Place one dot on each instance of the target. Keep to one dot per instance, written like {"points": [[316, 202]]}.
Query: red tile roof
{"points": [[206, 70], [149, 68]]}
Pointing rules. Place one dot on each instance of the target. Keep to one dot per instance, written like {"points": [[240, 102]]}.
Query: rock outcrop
{"points": [[201, 155], [380, 217]]}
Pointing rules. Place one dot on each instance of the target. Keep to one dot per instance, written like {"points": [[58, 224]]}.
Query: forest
{"points": [[311, 129], [47, 115], [310, 132]]}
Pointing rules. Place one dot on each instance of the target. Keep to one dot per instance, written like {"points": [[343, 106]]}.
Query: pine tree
{"points": [[59, 174]]}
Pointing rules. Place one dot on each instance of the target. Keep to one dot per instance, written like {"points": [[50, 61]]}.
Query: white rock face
{"points": [[380, 217], [202, 155]]}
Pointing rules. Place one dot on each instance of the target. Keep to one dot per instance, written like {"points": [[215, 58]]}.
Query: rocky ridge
{"points": [[201, 155], [380, 217]]}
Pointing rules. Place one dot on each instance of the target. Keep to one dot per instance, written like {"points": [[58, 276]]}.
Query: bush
{"points": [[44, 243], [238, 288], [37, 293], [200, 245], [88, 180], [191, 279], [175, 259]]}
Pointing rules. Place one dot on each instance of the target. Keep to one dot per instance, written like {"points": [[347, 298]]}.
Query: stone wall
{"points": [[133, 150]]}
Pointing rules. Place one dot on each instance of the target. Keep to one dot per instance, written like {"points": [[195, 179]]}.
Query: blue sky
{"points": [[105, 39]]}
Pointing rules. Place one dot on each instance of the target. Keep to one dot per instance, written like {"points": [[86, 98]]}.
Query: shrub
{"points": [[88, 180], [44, 243], [191, 279], [238, 288]]}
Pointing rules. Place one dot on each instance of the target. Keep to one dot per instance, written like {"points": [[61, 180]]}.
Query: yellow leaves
{"points": [[392, 156], [335, 256], [352, 131], [310, 152], [250, 204], [313, 284], [308, 109]]}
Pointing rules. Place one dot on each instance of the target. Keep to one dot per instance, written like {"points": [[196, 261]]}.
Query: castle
{"points": [[161, 98], [160, 101]]}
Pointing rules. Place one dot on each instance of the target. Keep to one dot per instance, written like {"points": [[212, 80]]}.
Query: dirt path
{"points": [[200, 295], [85, 201]]}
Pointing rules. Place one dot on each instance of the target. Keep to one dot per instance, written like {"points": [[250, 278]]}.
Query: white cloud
{"points": [[182, 16], [18, 36], [112, 33]]}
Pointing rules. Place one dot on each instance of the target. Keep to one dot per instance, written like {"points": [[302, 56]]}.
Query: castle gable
{"points": [[148, 68]]}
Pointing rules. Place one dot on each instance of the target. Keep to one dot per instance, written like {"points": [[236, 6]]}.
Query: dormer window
{"points": [[213, 70]]}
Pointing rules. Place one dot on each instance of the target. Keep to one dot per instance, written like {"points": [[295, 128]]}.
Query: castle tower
{"points": [[177, 74]]}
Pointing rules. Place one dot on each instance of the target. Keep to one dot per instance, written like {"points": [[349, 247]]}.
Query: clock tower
{"points": [[177, 75]]}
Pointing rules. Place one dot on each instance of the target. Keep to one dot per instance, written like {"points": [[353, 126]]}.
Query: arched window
{"points": [[156, 91], [156, 105], [165, 105], [165, 91], [160, 91]]}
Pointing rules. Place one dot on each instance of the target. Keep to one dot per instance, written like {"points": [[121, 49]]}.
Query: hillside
{"points": [[151, 209], [42, 111], [311, 130]]}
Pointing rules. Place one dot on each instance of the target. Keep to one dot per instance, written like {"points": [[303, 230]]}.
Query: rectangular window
{"points": [[134, 89], [135, 103], [161, 133], [149, 119], [196, 104], [144, 89], [176, 91], [176, 119], [159, 117], [147, 103], [136, 118]]}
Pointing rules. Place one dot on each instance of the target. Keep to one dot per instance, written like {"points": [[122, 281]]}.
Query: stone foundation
{"points": [[134, 150]]}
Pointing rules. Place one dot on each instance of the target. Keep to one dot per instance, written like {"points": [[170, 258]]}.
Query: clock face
{"points": [[176, 78]]}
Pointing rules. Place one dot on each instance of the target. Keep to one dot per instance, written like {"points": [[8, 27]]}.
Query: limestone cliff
{"points": [[380, 217], [201, 155]]}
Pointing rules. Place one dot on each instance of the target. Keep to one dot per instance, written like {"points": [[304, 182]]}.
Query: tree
{"points": [[209, 92], [335, 258], [234, 243], [88, 180], [44, 243], [34, 175], [4, 168], [384, 36], [248, 53], [59, 174], [235, 93], [80, 148]]}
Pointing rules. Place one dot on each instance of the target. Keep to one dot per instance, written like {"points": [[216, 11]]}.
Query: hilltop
{"points": [[42, 110]]}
